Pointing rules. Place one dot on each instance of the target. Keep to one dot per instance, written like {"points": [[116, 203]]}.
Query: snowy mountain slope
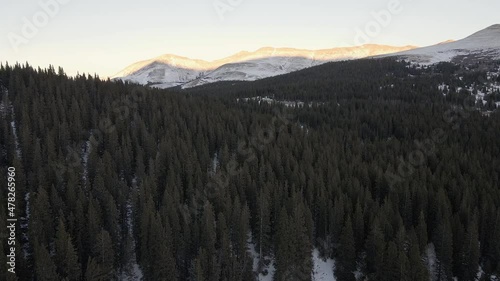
{"points": [[170, 70], [167, 71], [267, 62], [253, 70], [482, 44]]}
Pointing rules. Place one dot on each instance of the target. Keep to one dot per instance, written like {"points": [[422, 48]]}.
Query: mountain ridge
{"points": [[484, 43], [171, 70]]}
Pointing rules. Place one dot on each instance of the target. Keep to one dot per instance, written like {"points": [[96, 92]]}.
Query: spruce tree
{"points": [[417, 270], [162, 262], [375, 247], [443, 241], [422, 232], [392, 265], [346, 258], [45, 269], [94, 271], [66, 257], [103, 254], [470, 254]]}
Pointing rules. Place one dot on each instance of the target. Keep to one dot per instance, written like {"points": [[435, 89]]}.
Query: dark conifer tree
{"points": [[346, 264]]}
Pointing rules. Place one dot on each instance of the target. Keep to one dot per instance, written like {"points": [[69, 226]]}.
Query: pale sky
{"points": [[103, 37]]}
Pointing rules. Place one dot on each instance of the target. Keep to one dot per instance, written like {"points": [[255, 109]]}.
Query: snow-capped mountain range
{"points": [[484, 44], [170, 70]]}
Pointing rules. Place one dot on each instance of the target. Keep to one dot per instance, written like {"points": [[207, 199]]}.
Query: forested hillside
{"points": [[391, 170]]}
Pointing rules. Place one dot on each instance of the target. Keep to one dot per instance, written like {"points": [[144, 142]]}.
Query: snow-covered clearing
{"points": [[323, 269]]}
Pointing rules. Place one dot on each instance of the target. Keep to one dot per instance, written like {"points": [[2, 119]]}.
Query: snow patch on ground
{"points": [[270, 100], [480, 273], [270, 269], [215, 162], [304, 128], [5, 108], [132, 271], [16, 138], [13, 124], [445, 89], [481, 92], [322, 268], [24, 226], [358, 274], [85, 159], [431, 260]]}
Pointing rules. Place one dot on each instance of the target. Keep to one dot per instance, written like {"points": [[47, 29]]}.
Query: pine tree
{"points": [[162, 262], [375, 247], [284, 244], [346, 259], [103, 255], [225, 255], [417, 270], [263, 224], [443, 242], [359, 227], [337, 218], [94, 271], [41, 225], [66, 256], [392, 265], [422, 232], [196, 271], [470, 254], [495, 243], [302, 263], [45, 269]]}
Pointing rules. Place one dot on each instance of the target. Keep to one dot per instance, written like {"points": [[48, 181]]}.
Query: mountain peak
{"points": [[493, 30], [494, 26], [482, 44]]}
